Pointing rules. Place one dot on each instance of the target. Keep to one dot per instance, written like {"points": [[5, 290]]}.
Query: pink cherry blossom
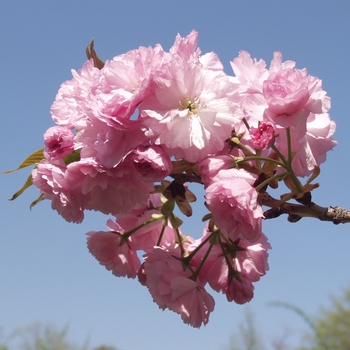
{"points": [[209, 167], [309, 142], [277, 63], [233, 202], [231, 268], [319, 131], [253, 257], [280, 91], [154, 232], [186, 47], [87, 185], [50, 179], [113, 252], [110, 191], [141, 275], [191, 111], [144, 111], [288, 97], [171, 286], [236, 286], [72, 102], [288, 91], [125, 82], [291, 93], [250, 76], [109, 145], [58, 142], [318, 102], [152, 162], [250, 73]]}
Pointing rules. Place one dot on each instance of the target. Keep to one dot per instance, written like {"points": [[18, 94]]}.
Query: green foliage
{"points": [[332, 327], [330, 330], [37, 337], [32, 159], [248, 337]]}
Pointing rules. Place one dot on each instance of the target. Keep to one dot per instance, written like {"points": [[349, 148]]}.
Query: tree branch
{"points": [[295, 212]]}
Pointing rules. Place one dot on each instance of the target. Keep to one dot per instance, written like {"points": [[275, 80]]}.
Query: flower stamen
{"points": [[192, 104]]}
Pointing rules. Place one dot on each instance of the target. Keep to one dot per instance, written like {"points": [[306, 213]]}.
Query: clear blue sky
{"points": [[46, 272]]}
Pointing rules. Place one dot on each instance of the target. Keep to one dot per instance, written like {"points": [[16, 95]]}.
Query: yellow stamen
{"points": [[192, 104]]}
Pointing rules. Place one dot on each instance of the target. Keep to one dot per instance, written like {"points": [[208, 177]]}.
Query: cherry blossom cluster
{"points": [[134, 132]]}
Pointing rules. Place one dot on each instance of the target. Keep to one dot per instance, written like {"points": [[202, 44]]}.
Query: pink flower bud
{"points": [[58, 142], [262, 136]]}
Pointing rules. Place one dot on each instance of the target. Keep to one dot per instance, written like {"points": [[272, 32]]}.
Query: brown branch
{"points": [[295, 212]]}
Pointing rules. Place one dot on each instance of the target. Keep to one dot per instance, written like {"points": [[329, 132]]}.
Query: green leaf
{"points": [[207, 217], [175, 221], [27, 184], [73, 157], [39, 199], [168, 208], [34, 158]]}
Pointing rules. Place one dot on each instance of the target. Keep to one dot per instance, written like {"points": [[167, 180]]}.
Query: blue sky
{"points": [[46, 272]]}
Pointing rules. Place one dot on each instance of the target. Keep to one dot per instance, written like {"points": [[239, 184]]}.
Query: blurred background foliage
{"points": [[328, 330]]}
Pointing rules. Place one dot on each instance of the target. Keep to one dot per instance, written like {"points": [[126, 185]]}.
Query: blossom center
{"points": [[192, 104]]}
